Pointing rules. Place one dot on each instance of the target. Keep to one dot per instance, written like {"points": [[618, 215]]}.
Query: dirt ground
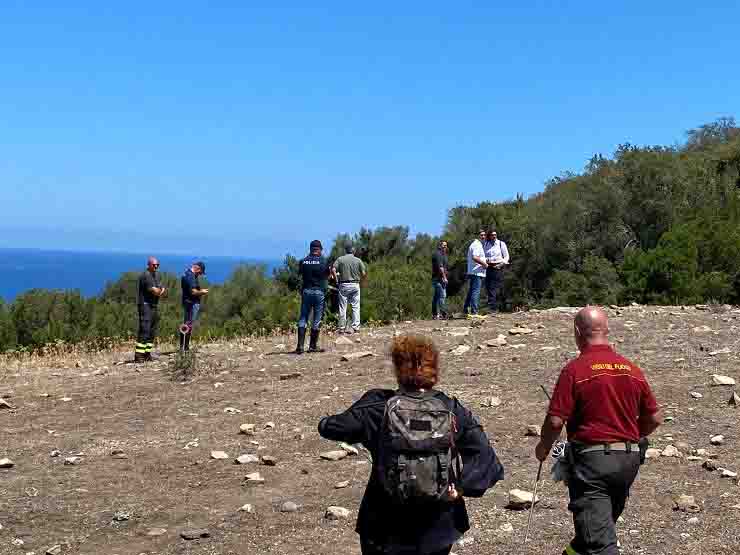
{"points": [[167, 479]]}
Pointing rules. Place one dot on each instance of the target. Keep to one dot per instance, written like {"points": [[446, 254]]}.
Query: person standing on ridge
{"points": [[149, 291], [476, 273], [440, 265], [610, 410], [192, 294], [350, 271], [497, 256], [314, 270]]}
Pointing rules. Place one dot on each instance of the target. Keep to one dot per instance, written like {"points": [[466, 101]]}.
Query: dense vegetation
{"points": [[651, 224]]}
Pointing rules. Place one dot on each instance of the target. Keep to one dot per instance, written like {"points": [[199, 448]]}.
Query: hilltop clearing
{"points": [[116, 459]]}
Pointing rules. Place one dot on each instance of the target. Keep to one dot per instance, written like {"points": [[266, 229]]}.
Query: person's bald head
{"points": [[591, 326], [152, 264]]}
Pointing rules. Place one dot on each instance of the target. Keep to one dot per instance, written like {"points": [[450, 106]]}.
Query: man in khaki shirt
{"points": [[350, 270]]}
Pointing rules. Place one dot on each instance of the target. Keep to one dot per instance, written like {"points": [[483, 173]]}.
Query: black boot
{"points": [[314, 344], [186, 342], [139, 358], [301, 341]]}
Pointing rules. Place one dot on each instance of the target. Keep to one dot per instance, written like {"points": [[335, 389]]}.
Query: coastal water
{"points": [[24, 269]]}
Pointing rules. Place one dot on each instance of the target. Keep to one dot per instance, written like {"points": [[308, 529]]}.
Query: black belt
{"points": [[350, 281]]}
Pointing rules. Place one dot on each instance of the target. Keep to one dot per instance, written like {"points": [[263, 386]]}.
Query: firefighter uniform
{"points": [[602, 396], [147, 303]]}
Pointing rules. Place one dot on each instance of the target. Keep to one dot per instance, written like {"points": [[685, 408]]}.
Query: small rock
{"points": [[341, 485], [247, 459], [734, 399], [702, 329], [717, 440], [694, 458], [462, 542], [194, 533], [727, 473], [66, 399], [72, 461], [492, 402], [269, 426], [718, 379], [219, 455], [520, 499], [724, 351], [506, 528], [6, 463], [520, 331], [460, 350], [291, 376], [248, 508], [334, 455], [686, 504], [682, 446], [5, 405], [500, 341], [232, 410], [693, 520], [269, 461], [121, 516], [336, 513], [55, 453], [247, 429], [342, 340], [357, 355], [54, 550], [155, 532], [532, 431], [696, 395], [652, 453], [288, 507], [254, 478], [458, 332], [351, 450], [670, 451]]}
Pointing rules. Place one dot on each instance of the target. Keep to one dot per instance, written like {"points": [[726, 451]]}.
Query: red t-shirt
{"points": [[601, 395]]}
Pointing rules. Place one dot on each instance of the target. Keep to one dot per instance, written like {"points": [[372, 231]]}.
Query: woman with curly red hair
{"points": [[392, 520]]}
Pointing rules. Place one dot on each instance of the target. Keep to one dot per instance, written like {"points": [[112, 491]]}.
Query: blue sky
{"points": [[249, 130]]}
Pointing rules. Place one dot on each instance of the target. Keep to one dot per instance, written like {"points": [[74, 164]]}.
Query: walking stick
{"points": [[536, 484]]}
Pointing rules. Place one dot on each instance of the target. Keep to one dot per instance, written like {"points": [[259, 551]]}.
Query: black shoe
{"points": [[139, 358], [301, 341], [314, 344]]}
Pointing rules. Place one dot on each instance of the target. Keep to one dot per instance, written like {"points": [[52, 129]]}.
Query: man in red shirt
{"points": [[608, 406]]}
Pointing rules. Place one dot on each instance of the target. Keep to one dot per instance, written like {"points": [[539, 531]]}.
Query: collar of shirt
{"points": [[596, 349]]}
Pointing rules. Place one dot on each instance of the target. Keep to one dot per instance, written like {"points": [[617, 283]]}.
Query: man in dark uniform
{"points": [[149, 291], [440, 263], [608, 406], [192, 294], [314, 270]]}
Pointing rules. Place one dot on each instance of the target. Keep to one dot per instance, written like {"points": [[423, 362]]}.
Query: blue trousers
{"points": [[312, 300], [439, 301], [473, 298]]}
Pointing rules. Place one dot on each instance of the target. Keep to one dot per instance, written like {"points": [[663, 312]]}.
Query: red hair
{"points": [[415, 361]]}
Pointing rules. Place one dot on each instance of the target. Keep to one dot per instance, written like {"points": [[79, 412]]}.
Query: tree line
{"points": [[653, 224]]}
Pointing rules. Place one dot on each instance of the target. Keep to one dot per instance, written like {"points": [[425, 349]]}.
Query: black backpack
{"points": [[416, 450]]}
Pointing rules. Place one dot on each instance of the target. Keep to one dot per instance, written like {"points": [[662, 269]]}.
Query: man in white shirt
{"points": [[476, 273], [497, 257]]}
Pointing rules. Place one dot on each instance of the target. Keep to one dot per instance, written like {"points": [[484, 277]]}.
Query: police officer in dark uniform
{"points": [[315, 271], [149, 291], [608, 406]]}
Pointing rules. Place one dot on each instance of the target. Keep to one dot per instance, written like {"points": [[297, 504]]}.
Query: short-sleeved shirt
{"points": [[314, 271], [440, 262], [602, 395], [476, 249], [350, 269], [147, 280], [189, 283]]}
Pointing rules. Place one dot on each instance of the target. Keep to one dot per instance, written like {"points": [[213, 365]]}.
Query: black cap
{"points": [[316, 244], [202, 267]]}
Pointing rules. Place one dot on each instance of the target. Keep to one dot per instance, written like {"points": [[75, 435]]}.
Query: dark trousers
{"points": [[494, 281], [369, 547], [148, 327], [599, 485], [473, 297], [312, 300], [439, 300]]}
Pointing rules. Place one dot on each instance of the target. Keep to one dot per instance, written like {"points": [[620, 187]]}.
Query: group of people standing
{"points": [[486, 258], [150, 290]]}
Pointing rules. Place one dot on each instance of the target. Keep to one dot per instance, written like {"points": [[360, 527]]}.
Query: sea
{"points": [[24, 269]]}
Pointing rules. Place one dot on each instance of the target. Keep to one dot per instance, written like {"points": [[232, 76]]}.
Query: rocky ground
{"points": [[116, 459]]}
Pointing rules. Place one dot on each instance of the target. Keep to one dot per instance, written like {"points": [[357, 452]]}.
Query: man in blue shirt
{"points": [[314, 270], [192, 293]]}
